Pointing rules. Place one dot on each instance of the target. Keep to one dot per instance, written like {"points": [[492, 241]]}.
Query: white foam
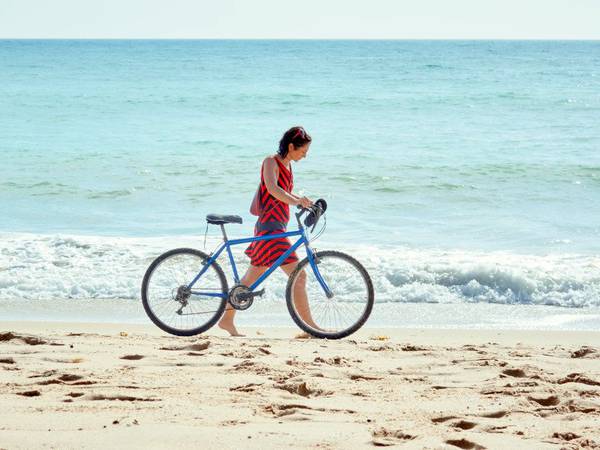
{"points": [[495, 277], [93, 267]]}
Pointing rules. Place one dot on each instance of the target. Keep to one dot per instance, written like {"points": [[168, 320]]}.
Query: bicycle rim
{"points": [[191, 314], [350, 305]]}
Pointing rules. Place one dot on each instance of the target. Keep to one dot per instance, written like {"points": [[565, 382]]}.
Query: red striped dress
{"points": [[273, 219]]}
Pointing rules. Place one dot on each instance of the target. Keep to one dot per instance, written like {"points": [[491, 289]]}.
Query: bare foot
{"points": [[230, 328]]}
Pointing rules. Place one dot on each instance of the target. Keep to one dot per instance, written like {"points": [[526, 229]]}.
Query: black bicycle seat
{"points": [[221, 219]]}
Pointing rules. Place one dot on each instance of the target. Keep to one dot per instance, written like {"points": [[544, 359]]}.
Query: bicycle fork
{"points": [[314, 261]]}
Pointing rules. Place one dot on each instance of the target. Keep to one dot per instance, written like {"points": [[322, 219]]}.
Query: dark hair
{"points": [[295, 135]]}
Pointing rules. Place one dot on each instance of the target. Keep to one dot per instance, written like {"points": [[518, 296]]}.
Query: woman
{"points": [[275, 197]]}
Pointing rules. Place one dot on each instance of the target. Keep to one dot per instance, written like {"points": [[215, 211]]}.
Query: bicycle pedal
{"points": [[251, 295]]}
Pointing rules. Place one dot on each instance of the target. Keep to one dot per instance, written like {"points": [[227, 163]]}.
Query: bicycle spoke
{"points": [[168, 277], [352, 300]]}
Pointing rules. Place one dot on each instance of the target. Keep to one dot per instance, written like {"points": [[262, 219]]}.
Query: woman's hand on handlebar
{"points": [[305, 202]]}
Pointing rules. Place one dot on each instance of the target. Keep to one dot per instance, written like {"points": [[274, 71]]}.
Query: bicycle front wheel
{"points": [[344, 310], [171, 304]]}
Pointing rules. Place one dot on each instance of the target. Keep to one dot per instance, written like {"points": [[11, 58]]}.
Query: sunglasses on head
{"points": [[300, 133]]}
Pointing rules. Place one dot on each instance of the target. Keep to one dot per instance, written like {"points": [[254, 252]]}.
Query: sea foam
{"points": [[35, 266]]}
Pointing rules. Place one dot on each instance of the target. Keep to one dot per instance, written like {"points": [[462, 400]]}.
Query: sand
{"points": [[77, 385]]}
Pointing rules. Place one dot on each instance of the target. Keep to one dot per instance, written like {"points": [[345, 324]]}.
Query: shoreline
{"points": [[88, 385], [428, 335], [274, 314]]}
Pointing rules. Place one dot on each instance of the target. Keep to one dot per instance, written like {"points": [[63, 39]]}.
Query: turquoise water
{"points": [[461, 171]]}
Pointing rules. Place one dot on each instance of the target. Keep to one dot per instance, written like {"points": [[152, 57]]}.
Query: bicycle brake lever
{"points": [[314, 226]]}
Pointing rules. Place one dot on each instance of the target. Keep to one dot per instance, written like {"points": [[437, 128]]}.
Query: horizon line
{"points": [[290, 39]]}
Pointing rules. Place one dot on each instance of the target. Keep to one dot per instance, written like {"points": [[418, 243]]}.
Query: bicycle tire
{"points": [[150, 312], [369, 299]]}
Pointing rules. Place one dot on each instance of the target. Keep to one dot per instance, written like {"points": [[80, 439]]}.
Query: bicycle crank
{"points": [[241, 298]]}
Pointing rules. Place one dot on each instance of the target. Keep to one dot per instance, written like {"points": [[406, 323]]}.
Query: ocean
{"points": [[464, 174]]}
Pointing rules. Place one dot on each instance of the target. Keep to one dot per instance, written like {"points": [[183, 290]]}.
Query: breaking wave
{"points": [[35, 266]]}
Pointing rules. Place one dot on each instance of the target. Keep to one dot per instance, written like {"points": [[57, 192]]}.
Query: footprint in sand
{"points": [[335, 361], [461, 424], [578, 378], [413, 348], [521, 384], [380, 348], [589, 394], [123, 398], [582, 406], [47, 373], [289, 409], [284, 410], [69, 377], [132, 357], [75, 394], [198, 347], [568, 436], [494, 415], [516, 373], [383, 437], [464, 425], [552, 400], [194, 347], [582, 352], [30, 393], [29, 340], [301, 389], [47, 382], [251, 387], [443, 419], [244, 365], [64, 360], [82, 383], [359, 377], [463, 443], [282, 378], [496, 429]]}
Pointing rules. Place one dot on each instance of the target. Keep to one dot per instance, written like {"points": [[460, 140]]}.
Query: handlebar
{"points": [[315, 212]]}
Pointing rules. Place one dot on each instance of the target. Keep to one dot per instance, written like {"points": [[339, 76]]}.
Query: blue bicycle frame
{"points": [[227, 244]]}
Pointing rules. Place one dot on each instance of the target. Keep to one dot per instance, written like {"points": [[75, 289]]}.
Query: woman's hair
{"points": [[295, 135]]}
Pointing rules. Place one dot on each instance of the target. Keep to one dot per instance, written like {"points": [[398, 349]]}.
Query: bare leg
{"points": [[226, 322], [300, 297]]}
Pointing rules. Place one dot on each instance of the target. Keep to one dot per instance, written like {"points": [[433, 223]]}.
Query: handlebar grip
{"points": [[320, 203], [316, 211]]}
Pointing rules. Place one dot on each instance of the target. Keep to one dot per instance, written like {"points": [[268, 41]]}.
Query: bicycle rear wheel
{"points": [[171, 305], [336, 316]]}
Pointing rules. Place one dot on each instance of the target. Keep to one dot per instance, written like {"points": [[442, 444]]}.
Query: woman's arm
{"points": [[271, 174]]}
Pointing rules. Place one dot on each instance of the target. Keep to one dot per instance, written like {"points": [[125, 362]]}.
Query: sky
{"points": [[305, 19]]}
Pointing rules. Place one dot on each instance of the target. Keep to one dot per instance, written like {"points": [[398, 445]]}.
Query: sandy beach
{"points": [[78, 385]]}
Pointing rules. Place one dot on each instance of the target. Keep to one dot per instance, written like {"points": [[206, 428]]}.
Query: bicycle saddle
{"points": [[220, 219]]}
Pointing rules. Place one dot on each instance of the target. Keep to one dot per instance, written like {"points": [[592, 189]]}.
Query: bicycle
{"points": [[185, 291]]}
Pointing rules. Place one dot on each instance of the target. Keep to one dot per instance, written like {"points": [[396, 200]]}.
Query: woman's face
{"points": [[297, 153]]}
